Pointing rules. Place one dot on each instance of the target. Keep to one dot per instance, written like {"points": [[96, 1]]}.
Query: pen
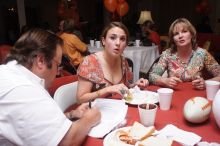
{"points": [[90, 104]]}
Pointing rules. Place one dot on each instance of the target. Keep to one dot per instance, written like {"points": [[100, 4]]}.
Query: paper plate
{"points": [[112, 137], [143, 97]]}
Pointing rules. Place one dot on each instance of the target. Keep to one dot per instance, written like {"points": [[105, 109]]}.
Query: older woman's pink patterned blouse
{"points": [[199, 61]]}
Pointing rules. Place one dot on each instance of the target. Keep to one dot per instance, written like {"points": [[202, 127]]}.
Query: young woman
{"points": [[107, 71], [184, 61]]}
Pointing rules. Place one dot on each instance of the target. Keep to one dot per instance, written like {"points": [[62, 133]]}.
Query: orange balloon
{"points": [[110, 5], [61, 9], [122, 8], [198, 9], [121, 1]]}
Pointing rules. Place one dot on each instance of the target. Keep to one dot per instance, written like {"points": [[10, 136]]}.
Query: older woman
{"points": [[184, 60], [107, 71]]}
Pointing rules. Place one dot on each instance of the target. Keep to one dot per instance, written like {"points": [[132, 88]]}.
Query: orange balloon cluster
{"points": [[120, 6], [203, 7]]}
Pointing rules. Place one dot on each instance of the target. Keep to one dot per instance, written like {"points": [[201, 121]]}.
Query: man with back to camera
{"points": [[28, 114]]}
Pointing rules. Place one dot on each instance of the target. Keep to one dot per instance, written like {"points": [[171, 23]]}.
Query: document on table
{"points": [[113, 112]]}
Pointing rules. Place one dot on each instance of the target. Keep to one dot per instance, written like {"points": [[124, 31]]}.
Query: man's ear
{"points": [[40, 61]]}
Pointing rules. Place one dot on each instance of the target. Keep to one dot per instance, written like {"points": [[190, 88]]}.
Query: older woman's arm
{"points": [[212, 66], [156, 78]]}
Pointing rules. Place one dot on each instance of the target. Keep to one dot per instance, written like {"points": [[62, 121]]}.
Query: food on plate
{"points": [[197, 109], [118, 143], [128, 96], [155, 141], [137, 132], [140, 132]]}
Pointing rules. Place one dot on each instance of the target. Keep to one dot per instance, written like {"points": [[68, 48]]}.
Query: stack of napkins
{"points": [[113, 112], [172, 132]]}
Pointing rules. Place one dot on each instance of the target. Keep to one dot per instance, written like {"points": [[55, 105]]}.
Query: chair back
{"points": [[4, 51], [61, 81], [130, 63], [206, 45], [150, 69], [65, 95]]}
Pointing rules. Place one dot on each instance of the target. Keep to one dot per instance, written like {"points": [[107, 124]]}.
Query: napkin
{"points": [[113, 113], [204, 143], [172, 132]]}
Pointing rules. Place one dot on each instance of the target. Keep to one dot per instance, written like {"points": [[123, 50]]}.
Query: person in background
{"points": [[107, 71], [149, 34], [74, 48], [28, 114], [184, 60], [60, 28]]}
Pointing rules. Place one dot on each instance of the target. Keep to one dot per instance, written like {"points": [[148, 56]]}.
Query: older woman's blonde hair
{"points": [[188, 26]]}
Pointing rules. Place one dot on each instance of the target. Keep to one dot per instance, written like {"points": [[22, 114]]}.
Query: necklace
{"points": [[185, 61]]}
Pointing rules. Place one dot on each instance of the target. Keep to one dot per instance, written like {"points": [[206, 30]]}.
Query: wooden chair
{"points": [[206, 45]]}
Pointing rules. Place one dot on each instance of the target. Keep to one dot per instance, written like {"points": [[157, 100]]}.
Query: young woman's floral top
{"points": [[90, 69], [199, 61]]}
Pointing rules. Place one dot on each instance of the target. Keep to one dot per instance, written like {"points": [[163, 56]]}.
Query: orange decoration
{"points": [[122, 8], [121, 1], [110, 5], [61, 9], [204, 4], [198, 9]]}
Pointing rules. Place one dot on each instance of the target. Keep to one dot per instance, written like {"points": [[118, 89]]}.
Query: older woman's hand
{"points": [[142, 82], [199, 83], [172, 82]]}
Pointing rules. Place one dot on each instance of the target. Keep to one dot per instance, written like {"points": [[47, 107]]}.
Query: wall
{"points": [[94, 15]]}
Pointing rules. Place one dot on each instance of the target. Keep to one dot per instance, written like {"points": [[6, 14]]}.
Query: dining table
{"points": [[141, 56], [208, 130]]}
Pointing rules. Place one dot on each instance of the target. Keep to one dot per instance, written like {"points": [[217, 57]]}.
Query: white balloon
{"points": [[197, 109]]}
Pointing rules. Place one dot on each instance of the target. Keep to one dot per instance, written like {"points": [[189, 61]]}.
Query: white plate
{"points": [[143, 97], [113, 137]]}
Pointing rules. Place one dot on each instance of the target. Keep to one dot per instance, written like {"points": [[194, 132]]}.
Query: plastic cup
{"points": [[98, 44], [211, 88], [92, 43], [147, 113], [137, 43], [165, 98]]}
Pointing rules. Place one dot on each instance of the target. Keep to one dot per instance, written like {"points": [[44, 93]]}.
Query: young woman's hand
{"points": [[119, 89]]}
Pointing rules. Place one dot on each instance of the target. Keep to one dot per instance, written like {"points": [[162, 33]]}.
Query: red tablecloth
{"points": [[207, 130]]}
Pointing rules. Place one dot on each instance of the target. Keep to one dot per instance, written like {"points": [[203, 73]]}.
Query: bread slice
{"points": [[140, 132], [155, 141]]}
